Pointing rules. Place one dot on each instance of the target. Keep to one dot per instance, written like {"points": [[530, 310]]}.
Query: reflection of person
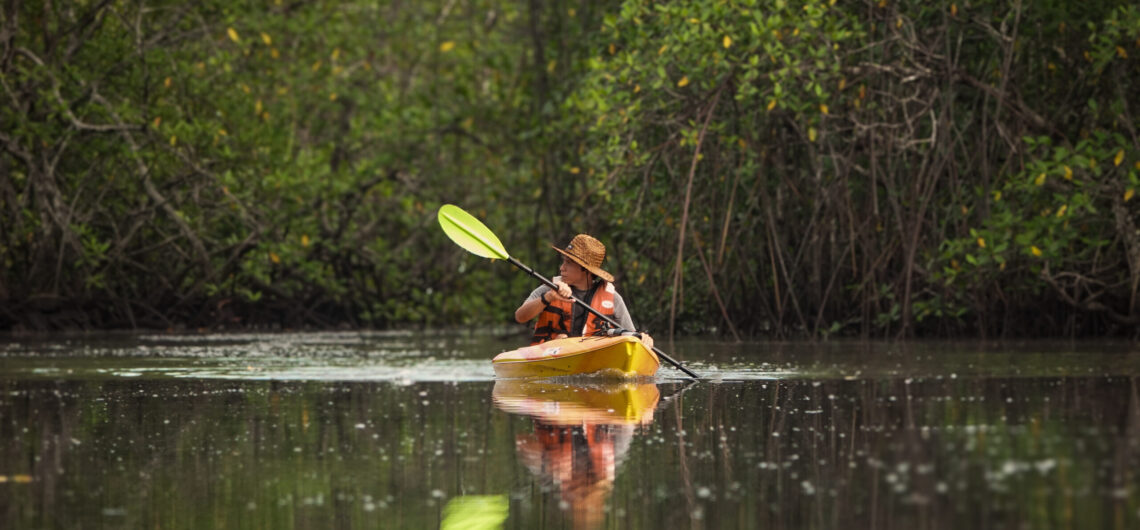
{"points": [[581, 436], [581, 275], [580, 460]]}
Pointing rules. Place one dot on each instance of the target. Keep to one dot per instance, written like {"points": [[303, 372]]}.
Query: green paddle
{"points": [[471, 234]]}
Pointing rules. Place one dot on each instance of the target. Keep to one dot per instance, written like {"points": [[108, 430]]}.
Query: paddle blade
{"points": [[470, 233]]}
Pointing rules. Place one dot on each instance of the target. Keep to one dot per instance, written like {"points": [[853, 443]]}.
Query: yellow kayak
{"points": [[620, 356]]}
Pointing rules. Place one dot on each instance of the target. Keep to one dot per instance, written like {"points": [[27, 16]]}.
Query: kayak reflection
{"points": [[581, 436]]}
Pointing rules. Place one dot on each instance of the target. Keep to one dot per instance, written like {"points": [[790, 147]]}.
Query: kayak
{"points": [[621, 356], [624, 403]]}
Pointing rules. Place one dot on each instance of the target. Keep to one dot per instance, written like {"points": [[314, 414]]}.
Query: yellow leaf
{"points": [[636, 88], [612, 48], [274, 257], [274, 53], [1136, 165], [1120, 51], [574, 170], [1068, 173], [842, 84], [335, 54], [1092, 163], [662, 49], [823, 108], [1061, 211], [812, 134], [953, 10], [981, 242], [1128, 194], [694, 21], [332, 97], [1119, 157], [550, 66], [727, 41], [1040, 180], [157, 122], [571, 12], [245, 88], [304, 240], [316, 66], [447, 46], [771, 105], [173, 140], [1036, 251], [257, 107], [233, 34], [684, 81], [265, 38], [741, 143], [882, 3], [167, 82], [997, 196], [898, 24], [223, 132]]}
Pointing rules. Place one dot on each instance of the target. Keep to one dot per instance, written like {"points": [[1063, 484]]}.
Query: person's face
{"points": [[572, 273]]}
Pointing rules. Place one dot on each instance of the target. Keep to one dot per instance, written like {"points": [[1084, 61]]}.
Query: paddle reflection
{"points": [[581, 436]]}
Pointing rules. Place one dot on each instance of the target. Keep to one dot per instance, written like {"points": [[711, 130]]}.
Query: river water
{"points": [[412, 430]]}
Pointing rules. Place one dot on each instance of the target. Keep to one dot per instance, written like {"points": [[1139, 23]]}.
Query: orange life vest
{"points": [[558, 317]]}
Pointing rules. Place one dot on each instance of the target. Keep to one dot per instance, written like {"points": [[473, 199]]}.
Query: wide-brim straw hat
{"points": [[587, 252]]}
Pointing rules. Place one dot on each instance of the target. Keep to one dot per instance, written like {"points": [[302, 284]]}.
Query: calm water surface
{"points": [[403, 430]]}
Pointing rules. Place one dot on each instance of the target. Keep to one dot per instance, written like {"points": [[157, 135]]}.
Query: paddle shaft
{"points": [[598, 314]]}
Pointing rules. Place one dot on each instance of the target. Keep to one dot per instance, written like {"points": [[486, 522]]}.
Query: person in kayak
{"points": [[580, 275]]}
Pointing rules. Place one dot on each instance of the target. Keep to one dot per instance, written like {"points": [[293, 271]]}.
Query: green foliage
{"points": [[769, 166], [283, 159], [1062, 219]]}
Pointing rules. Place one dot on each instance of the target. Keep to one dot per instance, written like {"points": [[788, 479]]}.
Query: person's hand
{"points": [[561, 291], [647, 341]]}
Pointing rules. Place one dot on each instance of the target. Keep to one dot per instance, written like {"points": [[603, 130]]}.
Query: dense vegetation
{"points": [[781, 167]]}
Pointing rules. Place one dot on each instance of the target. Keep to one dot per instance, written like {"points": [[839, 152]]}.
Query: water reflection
{"points": [[581, 436], [324, 435]]}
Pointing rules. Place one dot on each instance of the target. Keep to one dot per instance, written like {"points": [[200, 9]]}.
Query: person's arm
{"points": [[532, 306], [621, 315], [539, 299]]}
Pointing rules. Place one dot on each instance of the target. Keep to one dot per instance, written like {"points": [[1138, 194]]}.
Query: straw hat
{"points": [[587, 252]]}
